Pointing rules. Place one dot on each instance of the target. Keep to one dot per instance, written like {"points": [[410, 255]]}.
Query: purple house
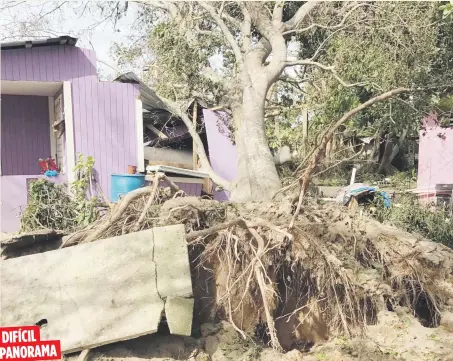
{"points": [[54, 106]]}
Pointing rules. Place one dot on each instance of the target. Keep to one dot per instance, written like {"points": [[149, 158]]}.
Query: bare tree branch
{"points": [[332, 27], [167, 5], [273, 40], [330, 68], [277, 15], [309, 62], [228, 35], [316, 156], [301, 14], [246, 29]]}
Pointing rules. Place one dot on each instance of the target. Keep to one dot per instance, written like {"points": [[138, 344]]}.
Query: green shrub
{"points": [[435, 223], [49, 206], [53, 206]]}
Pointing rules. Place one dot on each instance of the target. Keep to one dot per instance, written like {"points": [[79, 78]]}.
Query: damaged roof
{"points": [[25, 44], [148, 96]]}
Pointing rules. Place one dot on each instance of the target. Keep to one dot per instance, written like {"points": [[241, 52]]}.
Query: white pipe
{"points": [[354, 170]]}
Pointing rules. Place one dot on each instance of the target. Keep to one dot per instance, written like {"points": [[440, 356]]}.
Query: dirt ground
{"points": [[396, 336]]}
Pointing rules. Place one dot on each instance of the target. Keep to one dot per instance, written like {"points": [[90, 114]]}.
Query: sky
{"points": [[17, 19], [24, 20]]}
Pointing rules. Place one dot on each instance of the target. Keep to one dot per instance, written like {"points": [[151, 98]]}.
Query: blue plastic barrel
{"points": [[125, 183]]}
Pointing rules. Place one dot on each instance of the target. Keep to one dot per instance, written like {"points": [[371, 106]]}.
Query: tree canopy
{"points": [[324, 57]]}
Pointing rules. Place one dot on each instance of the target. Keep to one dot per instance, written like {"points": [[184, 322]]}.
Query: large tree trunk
{"points": [[257, 178]]}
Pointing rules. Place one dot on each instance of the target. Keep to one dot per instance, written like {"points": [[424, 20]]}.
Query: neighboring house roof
{"points": [[62, 40], [149, 97], [172, 127]]}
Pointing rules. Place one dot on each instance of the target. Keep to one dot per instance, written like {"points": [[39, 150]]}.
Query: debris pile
{"points": [[331, 274]]}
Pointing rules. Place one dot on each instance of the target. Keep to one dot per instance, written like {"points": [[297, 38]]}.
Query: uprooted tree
{"points": [[254, 42], [329, 269]]}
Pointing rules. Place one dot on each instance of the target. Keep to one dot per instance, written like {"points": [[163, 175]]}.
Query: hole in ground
{"points": [[390, 306], [426, 312], [262, 333], [422, 305]]}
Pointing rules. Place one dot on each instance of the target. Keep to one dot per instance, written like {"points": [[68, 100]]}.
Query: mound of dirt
{"points": [[332, 274], [396, 336]]}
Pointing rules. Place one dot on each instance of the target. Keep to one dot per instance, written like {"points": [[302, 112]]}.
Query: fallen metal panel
{"points": [[168, 169], [96, 293]]}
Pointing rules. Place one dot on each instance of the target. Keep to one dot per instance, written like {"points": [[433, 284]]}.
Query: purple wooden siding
{"points": [[112, 138], [103, 112], [222, 153], [25, 132], [191, 189], [52, 63]]}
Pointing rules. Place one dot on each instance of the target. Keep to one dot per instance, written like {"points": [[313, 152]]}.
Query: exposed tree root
{"points": [[264, 289], [195, 235], [156, 181], [332, 273]]}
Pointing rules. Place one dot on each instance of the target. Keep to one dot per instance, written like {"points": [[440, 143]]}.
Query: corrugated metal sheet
{"points": [[62, 40], [149, 97]]}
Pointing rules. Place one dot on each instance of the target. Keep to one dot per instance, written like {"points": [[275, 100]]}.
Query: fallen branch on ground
{"points": [[124, 204], [317, 155], [156, 181]]}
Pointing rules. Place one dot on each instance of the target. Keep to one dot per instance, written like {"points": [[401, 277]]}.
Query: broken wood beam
{"points": [[156, 131]]}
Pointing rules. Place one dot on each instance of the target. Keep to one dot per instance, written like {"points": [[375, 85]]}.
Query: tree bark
{"points": [[257, 178], [398, 146], [385, 161], [372, 158]]}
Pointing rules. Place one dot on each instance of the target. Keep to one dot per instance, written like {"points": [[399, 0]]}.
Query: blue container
{"points": [[125, 183]]}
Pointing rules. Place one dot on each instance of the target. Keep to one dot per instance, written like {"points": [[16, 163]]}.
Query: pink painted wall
{"points": [[222, 152], [435, 163]]}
